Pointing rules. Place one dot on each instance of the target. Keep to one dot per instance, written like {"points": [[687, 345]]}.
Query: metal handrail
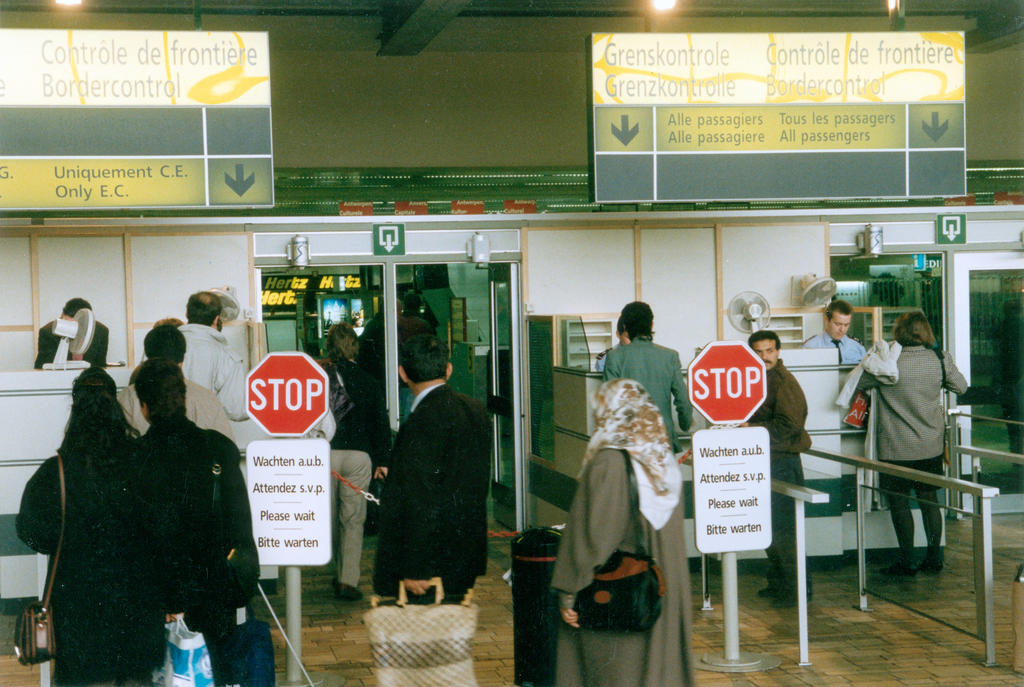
{"points": [[897, 470], [960, 413], [982, 529], [978, 452]]}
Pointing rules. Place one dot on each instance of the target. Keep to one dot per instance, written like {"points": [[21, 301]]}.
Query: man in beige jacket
{"points": [[201, 405]]}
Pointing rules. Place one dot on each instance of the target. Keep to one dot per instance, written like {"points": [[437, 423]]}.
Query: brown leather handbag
{"points": [[627, 590], [33, 631]]}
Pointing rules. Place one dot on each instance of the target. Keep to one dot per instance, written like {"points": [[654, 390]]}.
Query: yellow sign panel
{"points": [[777, 68], [236, 181], [624, 129], [54, 67], [28, 183], [799, 127]]}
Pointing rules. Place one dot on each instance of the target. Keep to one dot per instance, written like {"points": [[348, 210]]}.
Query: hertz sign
{"points": [[285, 290]]}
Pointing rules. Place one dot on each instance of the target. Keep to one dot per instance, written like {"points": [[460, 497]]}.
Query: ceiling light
{"points": [[69, 3], [665, 5]]}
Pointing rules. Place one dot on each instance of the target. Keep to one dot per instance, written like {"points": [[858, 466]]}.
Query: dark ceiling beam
{"points": [[409, 25], [998, 28]]}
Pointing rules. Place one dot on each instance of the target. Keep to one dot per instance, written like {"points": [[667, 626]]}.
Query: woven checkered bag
{"points": [[422, 646]]}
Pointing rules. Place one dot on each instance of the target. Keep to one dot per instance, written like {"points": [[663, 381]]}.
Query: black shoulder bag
{"points": [[945, 444], [33, 630], [627, 590], [243, 558]]}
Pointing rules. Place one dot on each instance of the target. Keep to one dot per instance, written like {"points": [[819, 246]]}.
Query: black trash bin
{"points": [[534, 606]]}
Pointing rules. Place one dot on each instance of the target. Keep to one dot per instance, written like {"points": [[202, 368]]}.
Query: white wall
{"points": [[574, 271], [765, 258], [677, 268], [89, 267], [17, 336], [577, 271]]}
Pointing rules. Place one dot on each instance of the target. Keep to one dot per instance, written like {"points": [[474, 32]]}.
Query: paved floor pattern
{"points": [[888, 646]]}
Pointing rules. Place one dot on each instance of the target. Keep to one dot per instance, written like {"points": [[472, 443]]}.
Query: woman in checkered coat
{"points": [[911, 432]]}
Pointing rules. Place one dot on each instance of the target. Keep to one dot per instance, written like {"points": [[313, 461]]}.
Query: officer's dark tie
{"points": [[836, 343]]}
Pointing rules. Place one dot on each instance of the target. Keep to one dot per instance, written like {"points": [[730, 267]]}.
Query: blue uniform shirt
{"points": [[850, 350]]}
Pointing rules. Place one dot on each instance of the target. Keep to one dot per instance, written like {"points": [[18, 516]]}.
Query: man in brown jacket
{"points": [[783, 414]]}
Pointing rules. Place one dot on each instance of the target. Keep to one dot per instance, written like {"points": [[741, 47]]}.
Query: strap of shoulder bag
{"points": [[216, 506], [634, 502], [942, 362], [60, 542]]}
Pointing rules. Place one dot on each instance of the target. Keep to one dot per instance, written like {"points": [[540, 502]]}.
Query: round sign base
{"points": [[746, 663], [319, 680]]}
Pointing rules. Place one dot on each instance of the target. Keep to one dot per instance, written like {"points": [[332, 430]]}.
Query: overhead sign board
{"points": [[134, 119], [697, 117]]}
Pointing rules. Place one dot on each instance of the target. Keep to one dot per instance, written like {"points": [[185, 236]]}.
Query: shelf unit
{"points": [[794, 325], [583, 338]]}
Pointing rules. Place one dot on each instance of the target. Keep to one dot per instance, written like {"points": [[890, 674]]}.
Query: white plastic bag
{"points": [[187, 660]]}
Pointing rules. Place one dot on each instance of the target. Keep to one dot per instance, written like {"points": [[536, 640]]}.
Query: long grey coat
{"points": [[911, 421], [598, 524]]}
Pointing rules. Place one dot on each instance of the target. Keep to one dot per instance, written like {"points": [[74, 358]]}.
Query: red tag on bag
{"points": [[858, 415]]}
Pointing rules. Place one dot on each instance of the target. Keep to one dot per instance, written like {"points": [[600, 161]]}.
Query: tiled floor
{"points": [[887, 646]]}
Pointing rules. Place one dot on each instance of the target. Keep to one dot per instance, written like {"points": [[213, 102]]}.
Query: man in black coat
{"points": [[206, 511], [95, 355], [434, 508]]}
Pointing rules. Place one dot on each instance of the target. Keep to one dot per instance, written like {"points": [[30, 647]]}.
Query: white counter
{"points": [[34, 409]]}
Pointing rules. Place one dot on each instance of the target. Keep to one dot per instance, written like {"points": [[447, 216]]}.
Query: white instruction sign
{"points": [[732, 488], [289, 482]]}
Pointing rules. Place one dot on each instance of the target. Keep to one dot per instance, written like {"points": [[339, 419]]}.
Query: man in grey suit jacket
{"points": [[657, 368]]}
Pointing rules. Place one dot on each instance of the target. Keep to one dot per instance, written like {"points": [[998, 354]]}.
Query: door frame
{"points": [[389, 265], [963, 263]]}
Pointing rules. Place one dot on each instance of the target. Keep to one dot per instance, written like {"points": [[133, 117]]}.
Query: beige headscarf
{"points": [[627, 419]]}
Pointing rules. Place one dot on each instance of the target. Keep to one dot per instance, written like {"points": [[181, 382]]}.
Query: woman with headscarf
{"points": [[600, 521], [911, 432], [107, 600]]}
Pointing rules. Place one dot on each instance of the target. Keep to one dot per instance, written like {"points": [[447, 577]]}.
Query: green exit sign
{"points": [[389, 239], [951, 229]]}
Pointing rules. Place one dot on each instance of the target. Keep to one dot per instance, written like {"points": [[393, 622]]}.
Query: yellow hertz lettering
{"points": [[279, 297]]}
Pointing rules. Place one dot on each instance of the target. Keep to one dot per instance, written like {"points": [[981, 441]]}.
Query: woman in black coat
{"points": [[107, 600], [204, 506], [361, 446]]}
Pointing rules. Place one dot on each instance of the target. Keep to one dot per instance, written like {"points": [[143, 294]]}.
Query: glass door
{"points": [[476, 309], [503, 393], [989, 290]]}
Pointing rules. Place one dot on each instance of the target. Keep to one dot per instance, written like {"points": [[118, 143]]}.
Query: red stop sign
{"points": [[727, 382], [286, 394]]}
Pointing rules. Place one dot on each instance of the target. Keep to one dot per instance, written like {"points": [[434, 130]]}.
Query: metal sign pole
{"points": [[732, 660], [732, 497], [731, 607], [293, 623]]}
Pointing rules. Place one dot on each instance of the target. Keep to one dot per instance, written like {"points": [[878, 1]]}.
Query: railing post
{"points": [[705, 588], [801, 580], [983, 588], [862, 575]]}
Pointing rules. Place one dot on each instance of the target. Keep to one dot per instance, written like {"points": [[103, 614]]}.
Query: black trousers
{"points": [[782, 552]]}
